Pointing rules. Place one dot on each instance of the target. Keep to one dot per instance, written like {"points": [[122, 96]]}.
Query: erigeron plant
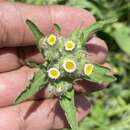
{"points": [[65, 63]]}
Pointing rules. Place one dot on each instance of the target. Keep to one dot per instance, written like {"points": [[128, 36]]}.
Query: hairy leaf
{"points": [[69, 108], [36, 83], [36, 32], [95, 27], [57, 28]]}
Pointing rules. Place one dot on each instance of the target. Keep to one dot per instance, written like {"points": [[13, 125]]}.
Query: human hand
{"points": [[17, 47]]}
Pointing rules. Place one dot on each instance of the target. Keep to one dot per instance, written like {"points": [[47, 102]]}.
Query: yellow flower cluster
{"points": [[69, 45], [69, 65]]}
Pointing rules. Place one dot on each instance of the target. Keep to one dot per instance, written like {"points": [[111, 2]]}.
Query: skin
{"points": [[17, 46]]}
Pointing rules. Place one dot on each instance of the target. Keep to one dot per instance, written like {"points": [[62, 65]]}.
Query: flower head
{"points": [[60, 89], [53, 73], [51, 40], [69, 66], [88, 69], [69, 45]]}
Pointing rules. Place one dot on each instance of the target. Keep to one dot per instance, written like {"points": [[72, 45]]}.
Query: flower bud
{"points": [[88, 69], [53, 73], [69, 65], [69, 45], [51, 40]]}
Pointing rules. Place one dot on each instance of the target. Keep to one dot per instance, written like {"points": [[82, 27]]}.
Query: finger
{"points": [[2, 0], [14, 31], [97, 50], [39, 115], [13, 58], [13, 83], [88, 87]]}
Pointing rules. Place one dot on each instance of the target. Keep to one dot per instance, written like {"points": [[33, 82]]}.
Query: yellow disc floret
{"points": [[69, 66], [53, 73], [51, 40], [88, 69], [69, 45]]}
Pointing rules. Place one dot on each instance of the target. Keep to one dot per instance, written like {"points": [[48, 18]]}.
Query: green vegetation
{"points": [[110, 107]]}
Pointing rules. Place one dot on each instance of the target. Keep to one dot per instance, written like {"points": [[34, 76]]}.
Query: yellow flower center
{"points": [[88, 69], [69, 46], [69, 66], [51, 40], [53, 73]]}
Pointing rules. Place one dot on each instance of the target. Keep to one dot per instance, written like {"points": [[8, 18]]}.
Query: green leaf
{"points": [[68, 95], [36, 83], [70, 110], [122, 36], [95, 27], [101, 78], [57, 28], [31, 64], [100, 74], [101, 69], [36, 32]]}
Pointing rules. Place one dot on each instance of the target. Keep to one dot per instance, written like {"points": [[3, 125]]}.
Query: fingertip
{"points": [[70, 18], [97, 50]]}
